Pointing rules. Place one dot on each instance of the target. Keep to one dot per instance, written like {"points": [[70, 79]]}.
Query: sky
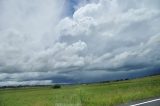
{"points": [[73, 41]]}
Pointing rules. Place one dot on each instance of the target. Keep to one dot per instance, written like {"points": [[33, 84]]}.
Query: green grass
{"points": [[104, 94]]}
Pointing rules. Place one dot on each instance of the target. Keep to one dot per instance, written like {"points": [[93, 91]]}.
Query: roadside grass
{"points": [[99, 94]]}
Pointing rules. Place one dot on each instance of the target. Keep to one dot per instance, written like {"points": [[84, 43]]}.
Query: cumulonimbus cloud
{"points": [[102, 36]]}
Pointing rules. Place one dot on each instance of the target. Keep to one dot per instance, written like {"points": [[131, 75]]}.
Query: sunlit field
{"points": [[100, 94]]}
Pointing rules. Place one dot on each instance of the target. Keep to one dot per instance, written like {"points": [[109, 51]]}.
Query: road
{"points": [[148, 102]]}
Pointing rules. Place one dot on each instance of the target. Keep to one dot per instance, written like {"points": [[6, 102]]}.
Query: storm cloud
{"points": [[44, 42]]}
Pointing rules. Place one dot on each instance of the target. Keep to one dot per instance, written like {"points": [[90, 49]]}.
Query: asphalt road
{"points": [[148, 102]]}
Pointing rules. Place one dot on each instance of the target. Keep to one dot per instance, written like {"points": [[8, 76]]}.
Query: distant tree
{"points": [[57, 86]]}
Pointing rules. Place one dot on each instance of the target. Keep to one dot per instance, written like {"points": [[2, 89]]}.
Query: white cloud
{"points": [[101, 36], [115, 33], [14, 83]]}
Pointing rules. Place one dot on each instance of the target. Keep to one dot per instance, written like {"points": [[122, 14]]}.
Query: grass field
{"points": [[102, 94]]}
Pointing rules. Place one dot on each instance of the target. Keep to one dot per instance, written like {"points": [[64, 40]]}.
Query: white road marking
{"points": [[145, 102]]}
